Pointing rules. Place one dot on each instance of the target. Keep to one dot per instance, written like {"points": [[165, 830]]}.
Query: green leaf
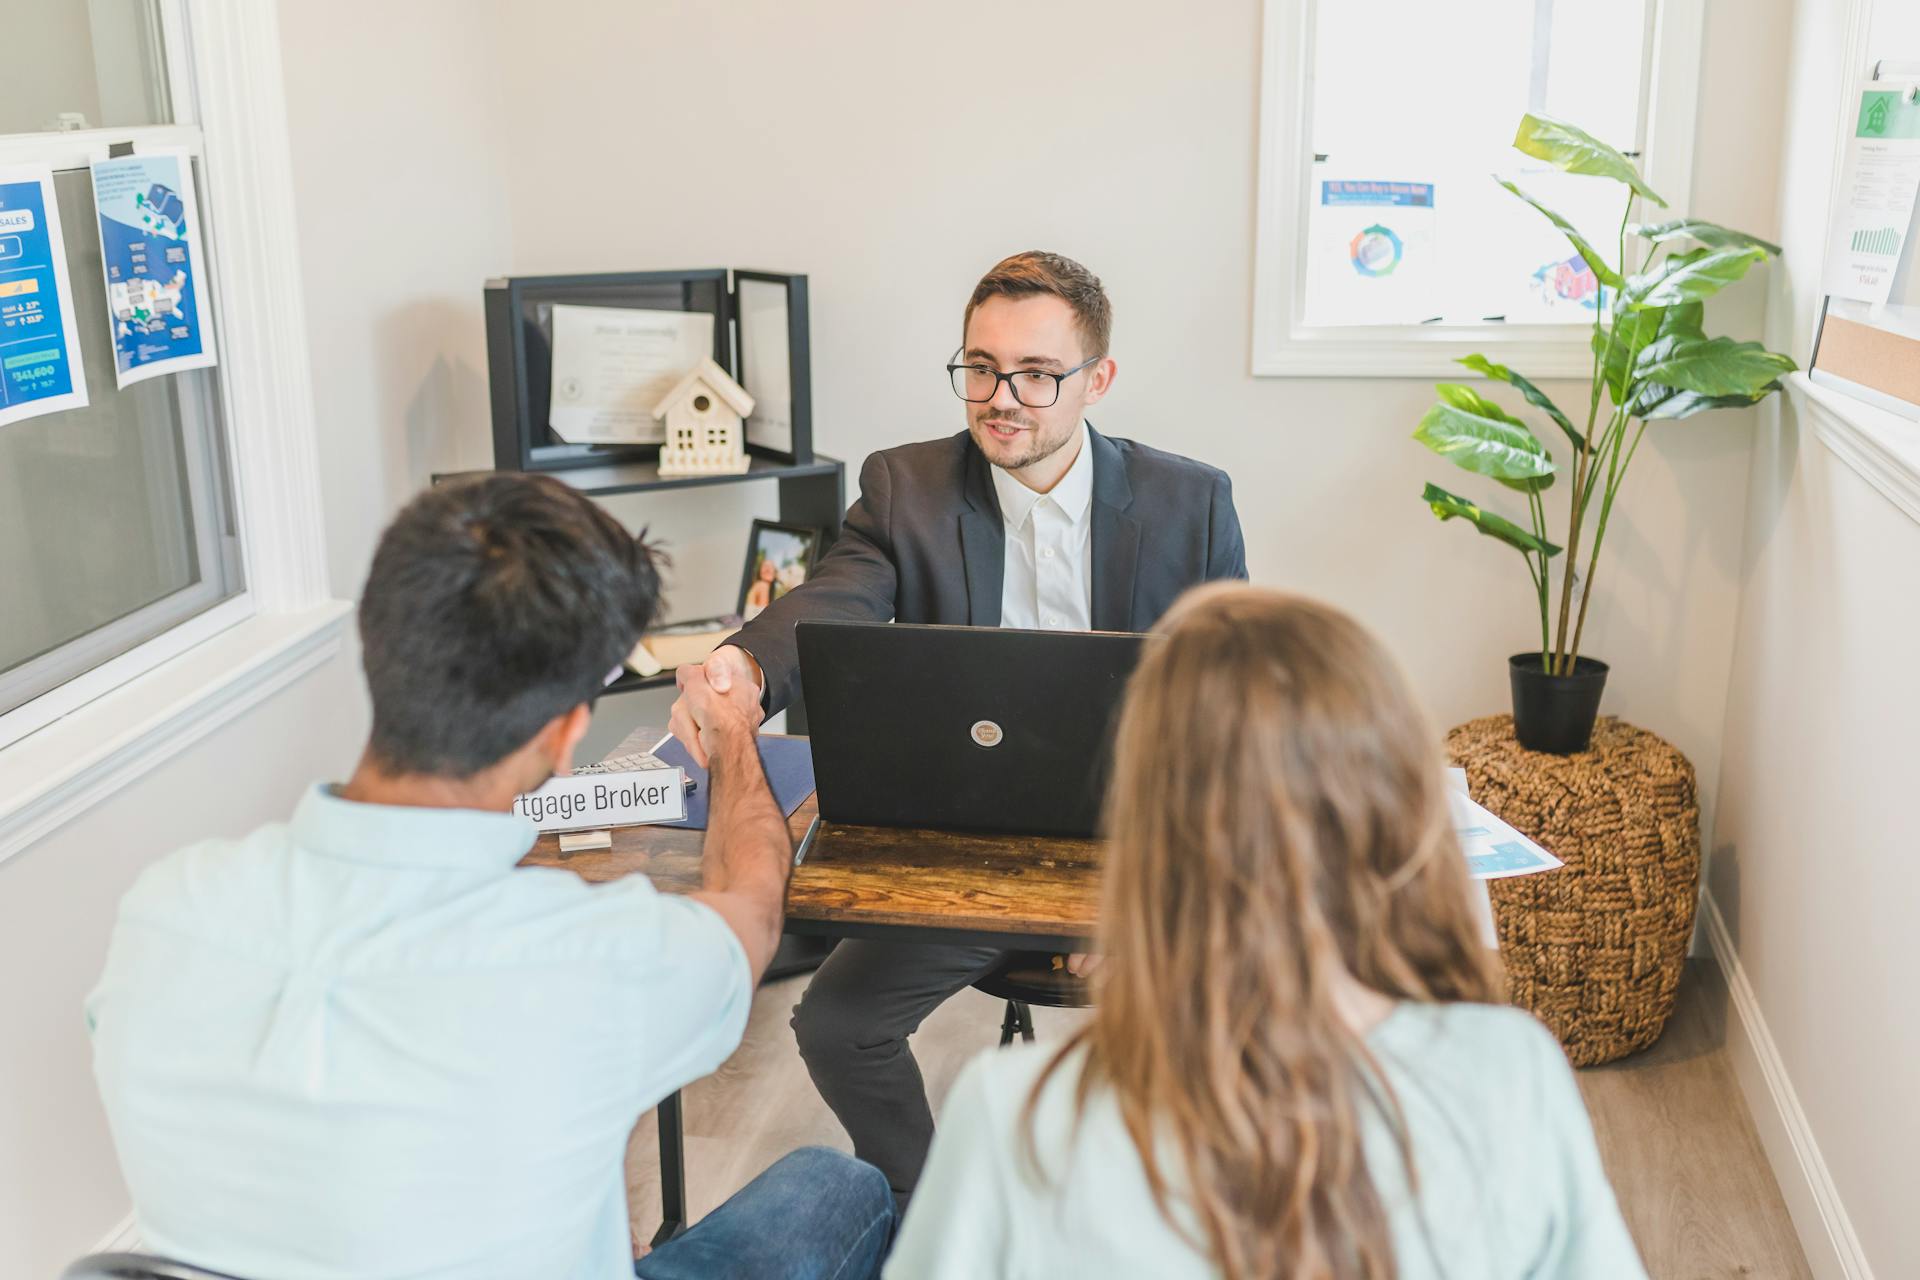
{"points": [[1631, 331], [1535, 396], [1689, 277], [1711, 366], [1591, 256], [1477, 435], [1710, 234], [1463, 397], [1656, 402], [1575, 150], [1684, 318], [1451, 506]]}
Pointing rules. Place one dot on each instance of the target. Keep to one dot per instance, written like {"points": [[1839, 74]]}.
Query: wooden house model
{"points": [[705, 417]]}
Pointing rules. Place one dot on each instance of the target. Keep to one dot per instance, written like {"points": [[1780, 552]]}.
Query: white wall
{"points": [[400, 180], [1814, 868]]}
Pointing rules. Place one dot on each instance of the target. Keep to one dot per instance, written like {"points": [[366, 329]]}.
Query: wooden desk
{"points": [[1024, 893]]}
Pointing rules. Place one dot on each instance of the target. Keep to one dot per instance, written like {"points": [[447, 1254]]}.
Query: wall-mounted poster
{"points": [[40, 369], [155, 267]]}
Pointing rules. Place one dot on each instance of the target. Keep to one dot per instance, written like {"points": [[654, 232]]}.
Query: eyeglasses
{"points": [[1034, 388]]}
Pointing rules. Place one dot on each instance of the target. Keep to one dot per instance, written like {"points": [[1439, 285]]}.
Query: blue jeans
{"points": [[815, 1214]]}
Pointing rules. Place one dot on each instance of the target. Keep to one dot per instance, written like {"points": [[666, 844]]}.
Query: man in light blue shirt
{"points": [[366, 1043]]}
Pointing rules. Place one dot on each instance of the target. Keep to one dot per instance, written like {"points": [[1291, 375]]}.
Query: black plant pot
{"points": [[1555, 713]]}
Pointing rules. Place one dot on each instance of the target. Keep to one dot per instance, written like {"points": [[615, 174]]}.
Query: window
{"points": [[92, 64], [1385, 244], [117, 524]]}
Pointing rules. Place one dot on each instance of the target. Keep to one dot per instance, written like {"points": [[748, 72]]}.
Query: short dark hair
{"points": [[1037, 271], [494, 604]]}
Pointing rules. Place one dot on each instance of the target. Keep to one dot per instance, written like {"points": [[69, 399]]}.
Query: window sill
{"points": [[1882, 446], [55, 774], [1542, 353]]}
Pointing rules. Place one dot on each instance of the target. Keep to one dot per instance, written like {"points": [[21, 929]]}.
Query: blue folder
{"points": [[789, 766]]}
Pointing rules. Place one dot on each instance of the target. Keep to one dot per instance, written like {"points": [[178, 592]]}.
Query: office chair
{"points": [[137, 1266], [1027, 978]]}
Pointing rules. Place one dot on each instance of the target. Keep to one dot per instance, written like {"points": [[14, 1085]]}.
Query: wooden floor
{"points": [[1673, 1129]]}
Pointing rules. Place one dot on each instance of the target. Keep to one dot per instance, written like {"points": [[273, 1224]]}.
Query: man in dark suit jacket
{"points": [[1029, 518]]}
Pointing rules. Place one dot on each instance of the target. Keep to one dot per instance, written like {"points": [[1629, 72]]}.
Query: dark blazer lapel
{"points": [[1116, 538], [983, 543]]}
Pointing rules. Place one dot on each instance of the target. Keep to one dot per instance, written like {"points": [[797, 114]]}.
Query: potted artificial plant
{"points": [[1652, 361]]}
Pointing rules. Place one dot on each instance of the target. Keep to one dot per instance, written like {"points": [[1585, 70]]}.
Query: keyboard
{"points": [[631, 762]]}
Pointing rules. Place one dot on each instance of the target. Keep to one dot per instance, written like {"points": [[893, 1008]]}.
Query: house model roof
{"points": [[716, 380]]}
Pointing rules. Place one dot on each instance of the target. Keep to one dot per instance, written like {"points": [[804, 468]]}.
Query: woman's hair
{"points": [[1276, 816]]}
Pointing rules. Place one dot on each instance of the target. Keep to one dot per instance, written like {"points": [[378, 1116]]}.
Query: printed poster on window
{"points": [[1372, 248], [1878, 191], [155, 266], [40, 369]]}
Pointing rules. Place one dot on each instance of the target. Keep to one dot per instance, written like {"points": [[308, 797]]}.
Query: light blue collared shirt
{"points": [[364, 1043]]}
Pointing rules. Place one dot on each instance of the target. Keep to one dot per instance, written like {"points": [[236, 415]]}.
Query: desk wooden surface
{"points": [[1020, 892]]}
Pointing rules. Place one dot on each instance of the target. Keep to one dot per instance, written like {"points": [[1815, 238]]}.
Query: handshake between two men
{"points": [[729, 678]]}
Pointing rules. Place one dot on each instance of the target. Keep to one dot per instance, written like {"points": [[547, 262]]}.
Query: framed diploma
{"points": [[775, 364], [613, 365]]}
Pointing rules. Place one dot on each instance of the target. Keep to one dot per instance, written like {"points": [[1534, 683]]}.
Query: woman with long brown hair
{"points": [[1297, 1066]]}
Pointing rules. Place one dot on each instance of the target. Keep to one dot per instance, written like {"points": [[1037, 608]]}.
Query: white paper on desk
{"points": [[612, 365], [1874, 214]]}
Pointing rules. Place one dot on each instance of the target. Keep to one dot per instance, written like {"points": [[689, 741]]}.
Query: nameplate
{"points": [[586, 802]]}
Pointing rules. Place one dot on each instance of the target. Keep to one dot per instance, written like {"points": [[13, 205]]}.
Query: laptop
{"points": [[962, 728]]}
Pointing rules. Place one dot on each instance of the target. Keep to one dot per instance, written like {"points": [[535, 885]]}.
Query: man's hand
{"points": [[710, 713], [729, 674], [1081, 964]]}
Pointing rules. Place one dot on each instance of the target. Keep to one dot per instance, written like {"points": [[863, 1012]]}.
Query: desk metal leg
{"points": [[673, 1171]]}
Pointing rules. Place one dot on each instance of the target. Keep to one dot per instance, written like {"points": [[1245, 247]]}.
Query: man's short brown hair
{"points": [[1037, 272]]}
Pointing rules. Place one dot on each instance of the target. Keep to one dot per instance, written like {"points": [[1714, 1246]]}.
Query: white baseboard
{"points": [[1819, 1218], [124, 1238]]}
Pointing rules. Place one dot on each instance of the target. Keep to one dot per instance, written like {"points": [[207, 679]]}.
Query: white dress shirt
{"points": [[1048, 584], [365, 1043]]}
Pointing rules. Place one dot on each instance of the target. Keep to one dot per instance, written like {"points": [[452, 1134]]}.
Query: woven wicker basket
{"points": [[1594, 950]]}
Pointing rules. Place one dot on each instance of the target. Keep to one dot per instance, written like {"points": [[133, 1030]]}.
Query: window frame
{"points": [[1283, 345], [222, 63]]}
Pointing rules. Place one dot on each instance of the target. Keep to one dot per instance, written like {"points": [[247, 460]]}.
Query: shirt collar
{"points": [[388, 835], [1072, 495]]}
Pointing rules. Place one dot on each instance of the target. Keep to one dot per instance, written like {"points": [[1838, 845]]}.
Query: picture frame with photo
{"points": [[779, 558]]}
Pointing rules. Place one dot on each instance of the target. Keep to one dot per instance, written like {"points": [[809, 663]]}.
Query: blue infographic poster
{"points": [[40, 369], [155, 269]]}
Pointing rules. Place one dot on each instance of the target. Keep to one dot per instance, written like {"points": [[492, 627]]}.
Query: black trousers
{"points": [[852, 1025]]}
